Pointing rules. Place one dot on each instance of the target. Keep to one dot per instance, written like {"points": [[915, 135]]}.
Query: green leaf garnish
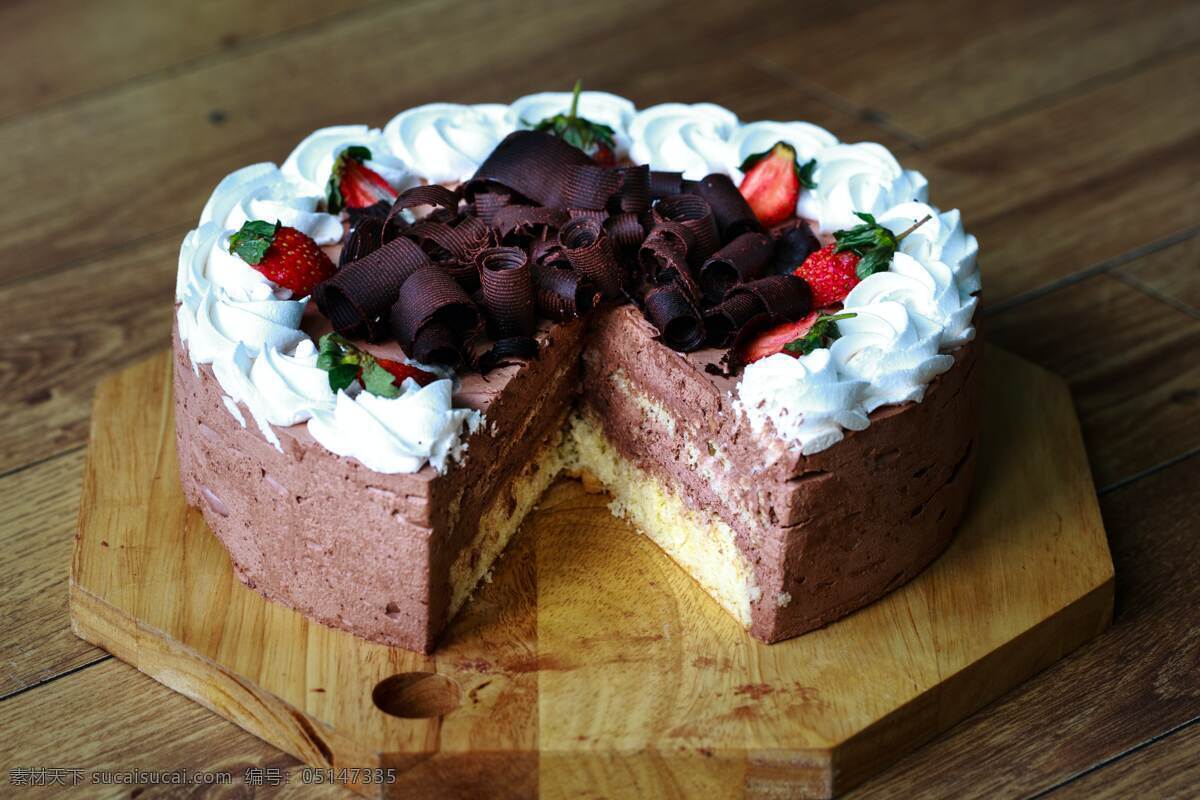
{"points": [[345, 364], [253, 240], [874, 244], [806, 173], [823, 331], [574, 129], [377, 380]]}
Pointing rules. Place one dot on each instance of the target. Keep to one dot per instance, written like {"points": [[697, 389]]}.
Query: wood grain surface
{"points": [[1063, 130], [591, 663]]}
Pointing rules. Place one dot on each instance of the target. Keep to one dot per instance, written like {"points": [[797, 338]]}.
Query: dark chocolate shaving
{"points": [[527, 219], [363, 238], [563, 294], [742, 260], [432, 296], [724, 319], [730, 210], [665, 184], [486, 204], [794, 242], [634, 195], [507, 282], [547, 170], [505, 350], [590, 252], [363, 290], [431, 195], [672, 312], [626, 231], [445, 241], [664, 236], [693, 213], [784, 296]]}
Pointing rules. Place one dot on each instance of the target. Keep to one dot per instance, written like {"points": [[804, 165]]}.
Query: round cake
{"points": [[757, 339]]}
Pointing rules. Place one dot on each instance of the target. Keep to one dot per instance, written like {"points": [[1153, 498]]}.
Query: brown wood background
{"points": [[1068, 133]]}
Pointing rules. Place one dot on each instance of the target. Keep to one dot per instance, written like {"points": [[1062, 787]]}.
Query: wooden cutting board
{"points": [[592, 665]]}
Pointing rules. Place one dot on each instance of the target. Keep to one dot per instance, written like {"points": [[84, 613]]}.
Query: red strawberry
{"points": [[772, 183], [286, 256], [400, 371], [830, 275], [352, 184], [772, 340]]}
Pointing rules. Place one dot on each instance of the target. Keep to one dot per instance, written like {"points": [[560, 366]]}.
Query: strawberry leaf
{"points": [[253, 240], [873, 243], [823, 331], [341, 376], [576, 130], [378, 381], [805, 174], [334, 202]]}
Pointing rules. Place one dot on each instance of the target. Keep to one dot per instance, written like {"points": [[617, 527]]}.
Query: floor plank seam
{"points": [[1147, 472], [1118, 757], [1092, 271], [53, 678], [1136, 283], [835, 101], [181, 68], [1056, 97], [37, 462]]}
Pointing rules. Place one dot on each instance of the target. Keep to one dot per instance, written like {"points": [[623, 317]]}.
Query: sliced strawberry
{"points": [[400, 371], [772, 183], [286, 256], [352, 184], [772, 340]]}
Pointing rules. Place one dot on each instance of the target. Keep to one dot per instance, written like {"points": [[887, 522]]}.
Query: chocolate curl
{"points": [[461, 239], [731, 315], [591, 254], [678, 322], [626, 231], [364, 238], [665, 235], [665, 184], [527, 219], [693, 213], [597, 214], [505, 350], [564, 295], [431, 195], [432, 316], [363, 290], [634, 194], [794, 242], [507, 283], [488, 203], [547, 170], [784, 296], [731, 212], [546, 252], [742, 260]]}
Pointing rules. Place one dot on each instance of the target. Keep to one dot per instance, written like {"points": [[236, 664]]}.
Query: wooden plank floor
{"points": [[1067, 133]]}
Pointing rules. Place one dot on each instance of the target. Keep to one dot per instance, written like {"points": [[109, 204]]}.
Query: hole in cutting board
{"points": [[417, 695]]}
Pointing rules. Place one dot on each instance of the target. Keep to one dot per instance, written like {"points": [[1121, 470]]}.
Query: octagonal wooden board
{"points": [[592, 665]]}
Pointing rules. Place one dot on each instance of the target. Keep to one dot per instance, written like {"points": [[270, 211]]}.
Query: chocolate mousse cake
{"points": [[757, 339]]}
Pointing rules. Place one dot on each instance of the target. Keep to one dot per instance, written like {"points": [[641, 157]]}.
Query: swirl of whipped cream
{"points": [[607, 109], [219, 324], [805, 399], [857, 177], [926, 289], [260, 191], [397, 434], [758, 137], [942, 238], [446, 142], [692, 139], [310, 164], [291, 386], [895, 354]]}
